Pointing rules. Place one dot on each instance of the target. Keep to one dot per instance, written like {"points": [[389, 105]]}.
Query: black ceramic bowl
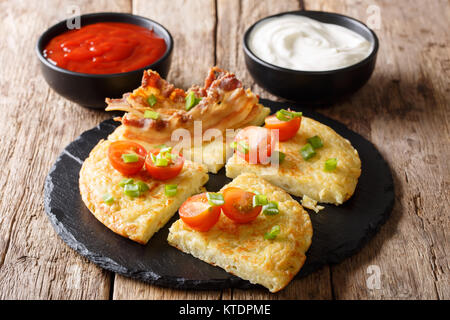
{"points": [[90, 90], [314, 87]]}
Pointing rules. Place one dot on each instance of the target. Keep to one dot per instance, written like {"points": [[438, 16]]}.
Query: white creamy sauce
{"points": [[300, 43]]}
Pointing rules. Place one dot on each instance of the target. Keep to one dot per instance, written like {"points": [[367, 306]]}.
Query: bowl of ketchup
{"points": [[105, 57]]}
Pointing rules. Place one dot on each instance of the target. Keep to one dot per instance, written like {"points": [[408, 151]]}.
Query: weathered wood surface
{"points": [[403, 110]]}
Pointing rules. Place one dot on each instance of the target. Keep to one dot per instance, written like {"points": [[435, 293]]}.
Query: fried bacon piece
{"points": [[224, 104]]}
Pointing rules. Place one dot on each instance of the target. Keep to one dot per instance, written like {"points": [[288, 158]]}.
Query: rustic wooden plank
{"points": [[37, 124], [192, 25], [403, 110], [234, 17]]}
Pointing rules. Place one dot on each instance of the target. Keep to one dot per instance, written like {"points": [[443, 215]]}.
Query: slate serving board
{"points": [[339, 231]]}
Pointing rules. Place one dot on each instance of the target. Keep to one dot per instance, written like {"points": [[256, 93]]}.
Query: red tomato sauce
{"points": [[105, 47]]}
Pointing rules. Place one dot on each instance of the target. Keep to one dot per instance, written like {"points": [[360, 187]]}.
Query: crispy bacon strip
{"points": [[224, 105]]}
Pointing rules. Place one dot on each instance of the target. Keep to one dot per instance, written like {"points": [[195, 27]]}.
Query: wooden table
{"points": [[403, 110]]}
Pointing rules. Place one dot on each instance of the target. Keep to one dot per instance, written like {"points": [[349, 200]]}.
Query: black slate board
{"points": [[338, 231]]}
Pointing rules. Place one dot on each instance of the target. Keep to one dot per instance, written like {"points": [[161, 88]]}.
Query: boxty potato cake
{"points": [[135, 207], [269, 250], [317, 162]]}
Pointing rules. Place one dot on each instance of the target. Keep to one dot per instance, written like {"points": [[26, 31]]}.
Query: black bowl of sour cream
{"points": [[310, 56]]}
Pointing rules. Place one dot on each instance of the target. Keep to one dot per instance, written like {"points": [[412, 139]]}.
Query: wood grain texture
{"points": [[37, 124], [403, 110]]}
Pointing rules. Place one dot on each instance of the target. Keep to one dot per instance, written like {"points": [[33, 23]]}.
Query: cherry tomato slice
{"points": [[167, 172], [255, 144], [287, 129], [118, 148], [238, 205], [198, 214]]}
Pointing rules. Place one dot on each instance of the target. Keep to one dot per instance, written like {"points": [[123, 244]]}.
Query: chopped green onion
{"points": [[165, 150], [278, 157], [273, 233], [161, 162], [152, 100], [191, 100], [131, 190], [259, 200], [130, 157], [215, 199], [285, 115], [244, 146], [125, 181], [161, 146], [330, 164], [307, 151], [256, 192], [108, 199], [170, 190], [142, 186], [271, 208], [233, 145], [150, 114], [315, 142]]}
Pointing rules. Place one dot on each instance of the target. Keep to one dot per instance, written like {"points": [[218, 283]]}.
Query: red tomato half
{"points": [[287, 129], [118, 148], [198, 214], [255, 144], [167, 172], [238, 205]]}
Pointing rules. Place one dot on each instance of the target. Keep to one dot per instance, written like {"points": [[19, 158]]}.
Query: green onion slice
{"points": [[150, 114], [233, 145], [243, 145], [307, 151], [278, 156], [108, 199], [142, 186], [259, 200], [330, 165], [285, 115], [125, 181], [130, 157], [170, 190], [161, 146], [160, 161], [131, 190], [273, 233], [271, 208], [315, 142], [191, 100], [215, 199], [152, 100]]}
